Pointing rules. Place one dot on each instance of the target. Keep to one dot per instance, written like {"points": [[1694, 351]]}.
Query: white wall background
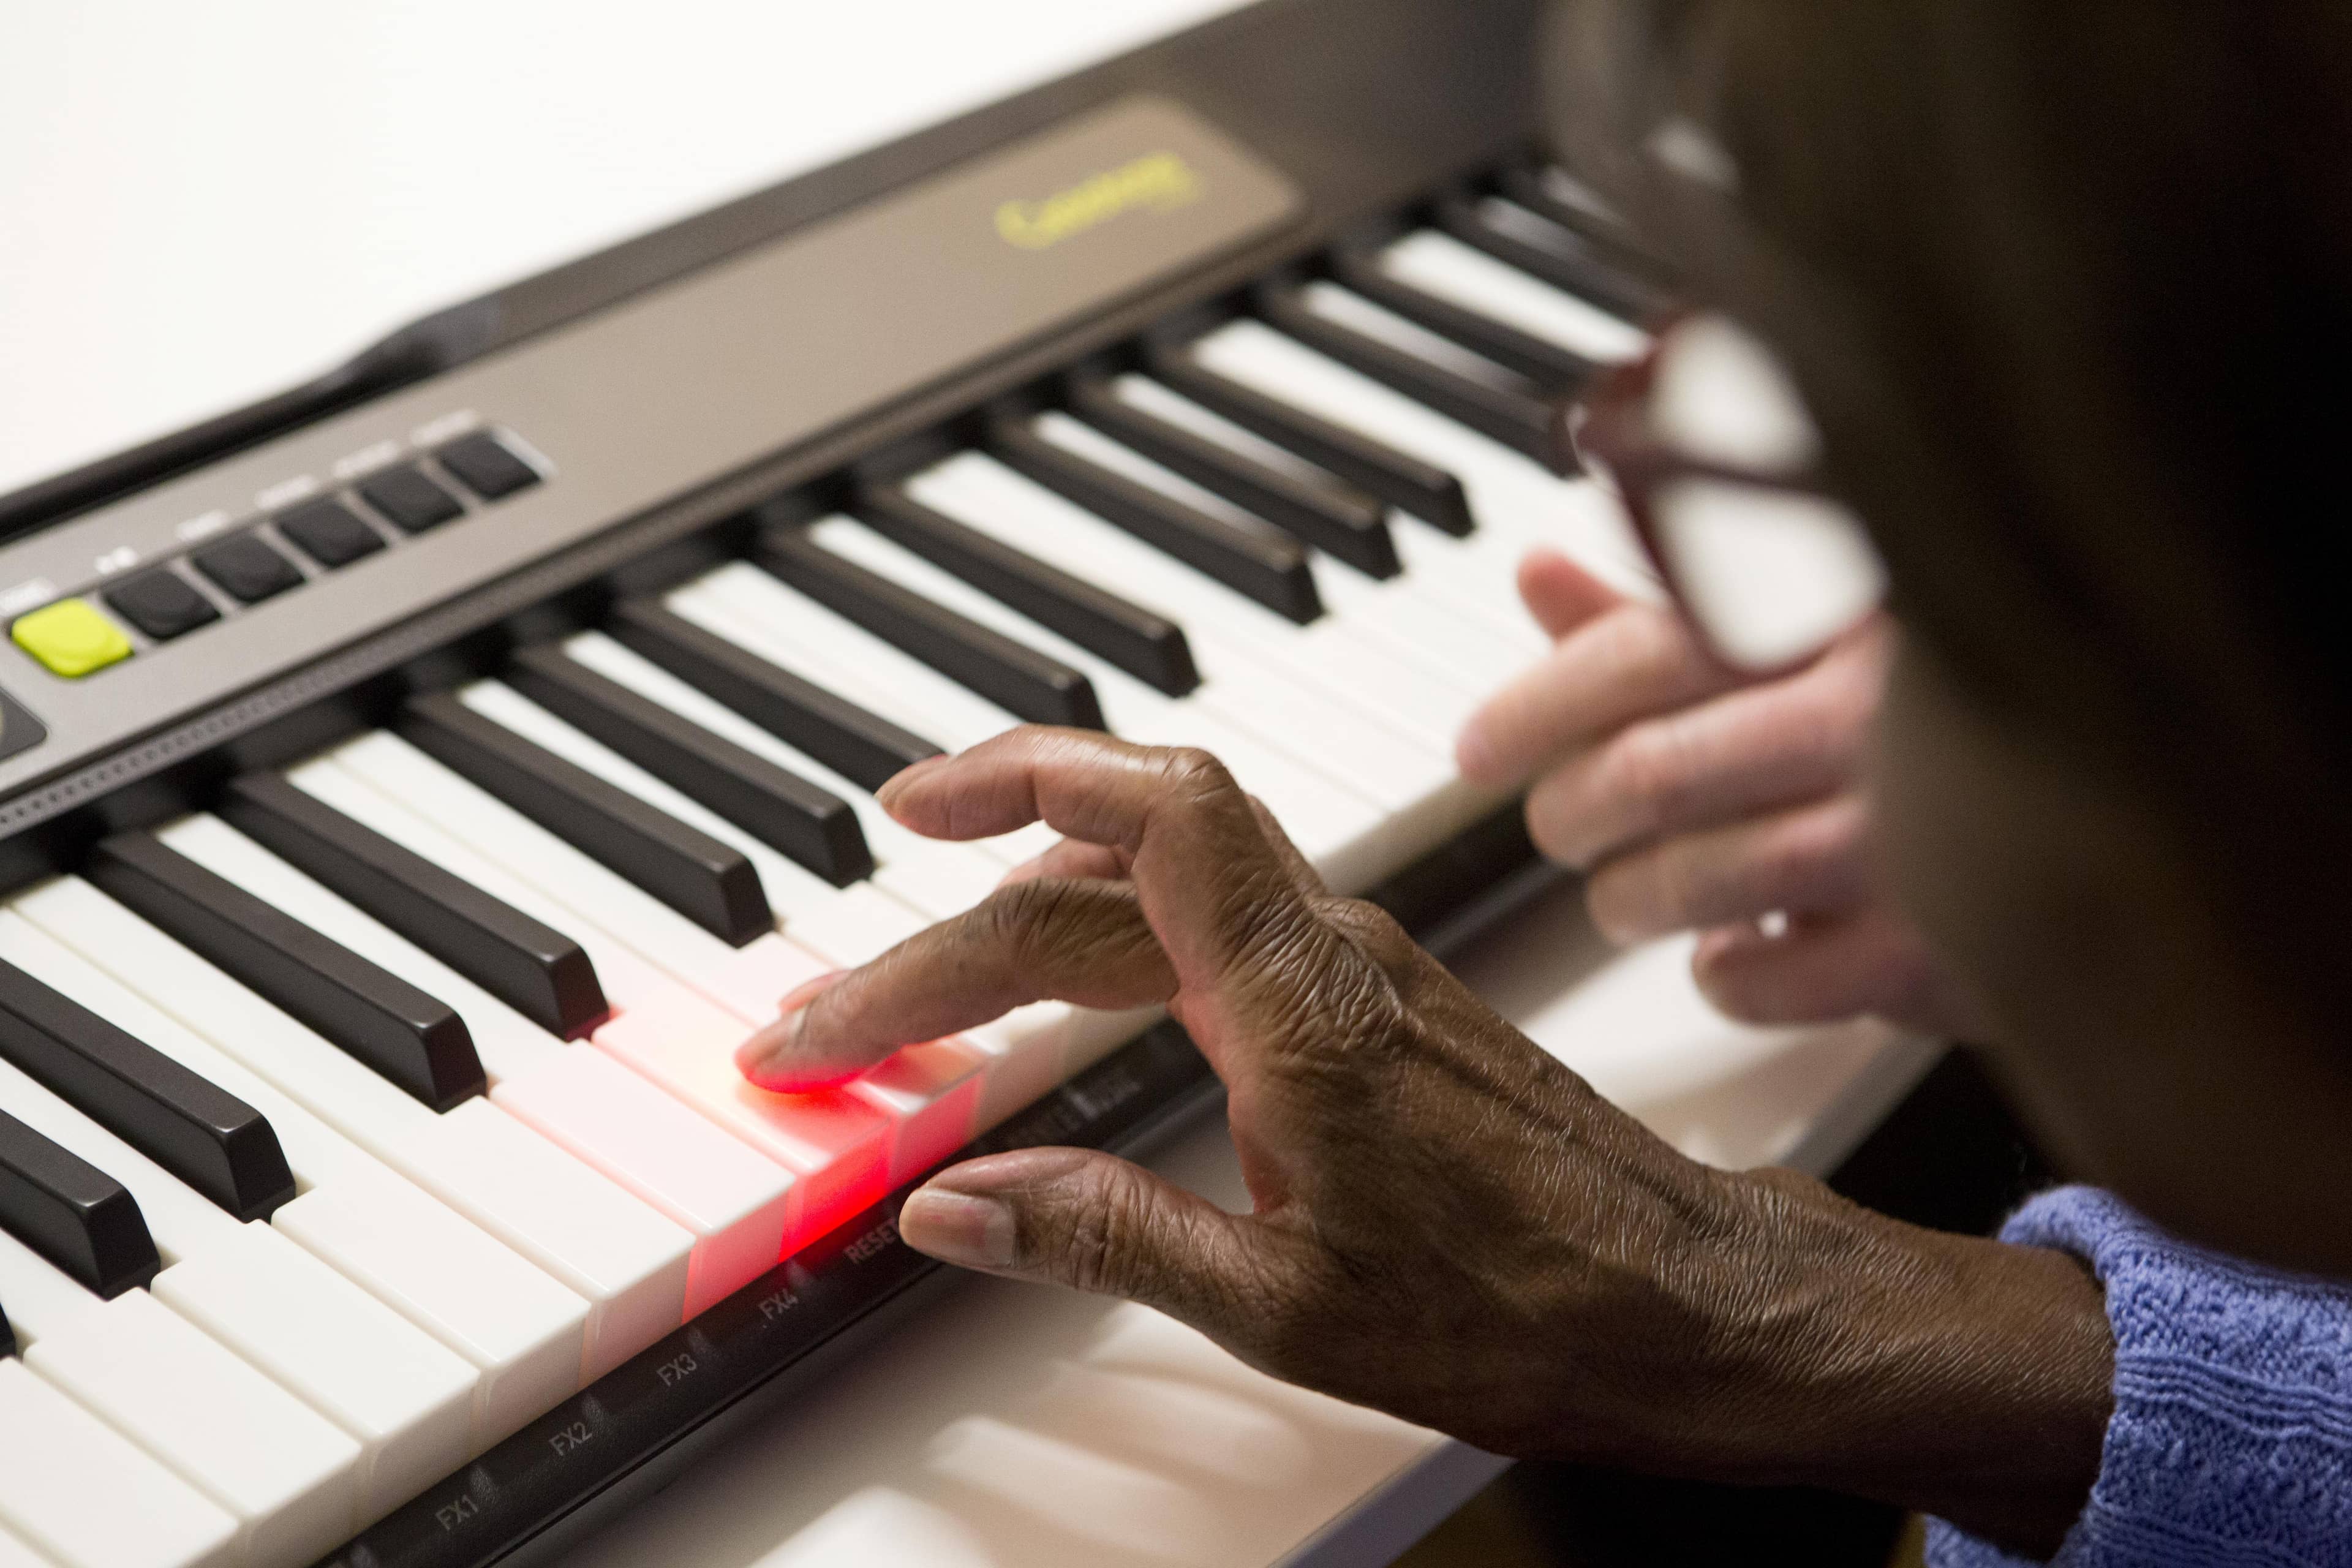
{"points": [[203, 203]]}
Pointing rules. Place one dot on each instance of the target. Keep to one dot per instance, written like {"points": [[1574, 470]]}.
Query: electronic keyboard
{"points": [[413, 789]]}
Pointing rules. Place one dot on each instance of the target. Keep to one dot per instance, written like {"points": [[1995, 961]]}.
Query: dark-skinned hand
{"points": [[1446, 1223]]}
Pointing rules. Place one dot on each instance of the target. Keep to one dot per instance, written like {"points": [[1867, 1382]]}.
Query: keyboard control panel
{"points": [[406, 504]]}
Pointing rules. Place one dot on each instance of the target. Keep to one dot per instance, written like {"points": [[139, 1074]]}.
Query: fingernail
{"points": [[959, 1228], [897, 783], [757, 1057], [808, 991]]}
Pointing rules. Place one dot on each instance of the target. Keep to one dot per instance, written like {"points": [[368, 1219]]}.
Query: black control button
{"points": [[161, 603], [329, 532], [486, 467], [411, 499], [247, 568], [19, 731]]}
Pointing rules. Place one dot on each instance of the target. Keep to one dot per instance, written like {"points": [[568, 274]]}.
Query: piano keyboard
{"points": [[375, 1182]]}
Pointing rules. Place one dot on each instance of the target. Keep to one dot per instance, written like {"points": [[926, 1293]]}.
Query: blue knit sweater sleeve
{"points": [[2231, 1440]]}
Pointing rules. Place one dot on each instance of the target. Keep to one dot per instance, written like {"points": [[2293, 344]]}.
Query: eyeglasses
{"points": [[1707, 443]]}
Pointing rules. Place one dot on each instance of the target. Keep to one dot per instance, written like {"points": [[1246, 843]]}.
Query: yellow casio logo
{"points": [[1158, 182]]}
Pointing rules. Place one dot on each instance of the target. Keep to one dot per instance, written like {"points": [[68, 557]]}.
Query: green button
{"points": [[72, 638]]}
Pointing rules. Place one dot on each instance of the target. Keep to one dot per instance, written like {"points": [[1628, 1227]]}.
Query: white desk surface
{"points": [[201, 204]]}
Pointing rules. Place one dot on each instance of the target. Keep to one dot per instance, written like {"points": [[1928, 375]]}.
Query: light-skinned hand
{"points": [[1694, 799]]}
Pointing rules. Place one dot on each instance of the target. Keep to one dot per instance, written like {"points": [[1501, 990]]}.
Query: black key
{"points": [[1521, 420], [72, 1213], [1611, 241], [200, 1132], [411, 1038], [1547, 363], [811, 825], [329, 532], [1565, 265], [1401, 480], [862, 747], [1345, 525], [7, 1337], [1020, 680], [710, 883], [484, 466], [1142, 642], [1271, 571], [410, 499], [247, 568], [161, 602], [539, 973]]}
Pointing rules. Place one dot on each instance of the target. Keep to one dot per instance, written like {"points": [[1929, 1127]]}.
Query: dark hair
{"points": [[2070, 289]]}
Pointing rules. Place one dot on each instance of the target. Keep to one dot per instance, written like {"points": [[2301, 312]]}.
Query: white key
{"points": [[762, 615], [1421, 800], [852, 925], [1476, 577], [931, 1094], [651, 1009], [515, 1324], [88, 1498], [1442, 265], [938, 879], [406, 1399], [630, 982], [409, 1399], [287, 1476], [678, 1040], [1332, 825], [627, 1262], [507, 1043], [15, 1553], [1393, 614], [737, 1204], [1231, 636], [630, 1263], [1025, 1050], [1473, 576], [618, 1125], [1346, 308], [1513, 498], [520, 1329], [746, 605], [746, 980]]}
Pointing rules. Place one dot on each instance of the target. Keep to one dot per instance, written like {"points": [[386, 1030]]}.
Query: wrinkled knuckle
{"points": [[1195, 775], [1372, 930], [1103, 1226], [1018, 913]]}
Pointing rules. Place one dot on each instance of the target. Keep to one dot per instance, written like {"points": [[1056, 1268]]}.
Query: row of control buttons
{"points": [[73, 638]]}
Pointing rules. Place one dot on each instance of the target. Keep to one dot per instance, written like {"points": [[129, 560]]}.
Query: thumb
{"points": [[1085, 1220]]}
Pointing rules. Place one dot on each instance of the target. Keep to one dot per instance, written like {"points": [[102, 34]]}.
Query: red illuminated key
{"points": [[931, 1095], [838, 1145]]}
